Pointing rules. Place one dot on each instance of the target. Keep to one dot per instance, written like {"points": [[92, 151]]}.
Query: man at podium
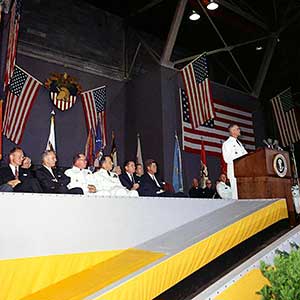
{"points": [[232, 149]]}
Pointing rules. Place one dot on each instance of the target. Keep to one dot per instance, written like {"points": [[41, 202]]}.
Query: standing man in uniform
{"points": [[232, 149]]}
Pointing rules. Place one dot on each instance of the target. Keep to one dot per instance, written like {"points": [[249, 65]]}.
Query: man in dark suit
{"points": [[128, 178], [150, 185], [18, 178], [51, 179]]}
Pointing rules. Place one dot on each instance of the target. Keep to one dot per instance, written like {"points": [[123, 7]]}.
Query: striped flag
{"points": [[93, 102], [215, 132], [22, 92], [12, 41], [51, 143], [197, 86], [283, 107]]}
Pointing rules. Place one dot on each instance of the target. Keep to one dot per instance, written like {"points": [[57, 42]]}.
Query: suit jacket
{"points": [[50, 184], [28, 182], [148, 186], [125, 180]]}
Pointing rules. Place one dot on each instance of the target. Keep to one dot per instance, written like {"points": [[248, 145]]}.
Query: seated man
{"points": [[108, 183], [51, 179], [18, 178], [139, 172], [128, 178], [223, 189], [80, 176], [194, 190], [208, 191], [151, 186]]}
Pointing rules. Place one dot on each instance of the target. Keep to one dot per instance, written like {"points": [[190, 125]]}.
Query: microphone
{"points": [[267, 144], [270, 142]]}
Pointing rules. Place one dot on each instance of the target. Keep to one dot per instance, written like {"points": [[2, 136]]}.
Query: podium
{"points": [[265, 174]]}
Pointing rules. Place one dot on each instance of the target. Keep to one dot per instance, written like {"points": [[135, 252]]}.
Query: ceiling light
{"points": [[212, 5], [194, 16], [258, 48]]}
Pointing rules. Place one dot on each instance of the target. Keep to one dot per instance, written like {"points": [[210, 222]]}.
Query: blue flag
{"points": [[177, 168], [98, 139]]}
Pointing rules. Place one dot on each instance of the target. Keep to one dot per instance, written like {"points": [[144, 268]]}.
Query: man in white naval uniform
{"points": [[232, 149], [80, 176], [109, 182], [223, 189]]}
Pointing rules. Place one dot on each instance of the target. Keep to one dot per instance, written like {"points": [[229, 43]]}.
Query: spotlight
{"points": [[212, 5], [194, 16], [259, 48]]}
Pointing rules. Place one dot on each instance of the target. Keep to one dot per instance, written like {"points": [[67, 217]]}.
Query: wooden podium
{"points": [[265, 174]]}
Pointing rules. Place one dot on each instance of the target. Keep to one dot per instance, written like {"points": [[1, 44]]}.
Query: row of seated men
{"points": [[18, 176], [222, 189]]}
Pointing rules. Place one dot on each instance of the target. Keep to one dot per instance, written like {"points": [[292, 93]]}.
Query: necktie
{"points": [[132, 179], [239, 143], [108, 173], [16, 172]]}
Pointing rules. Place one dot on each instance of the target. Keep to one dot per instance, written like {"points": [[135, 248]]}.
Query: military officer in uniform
{"points": [[232, 149], [108, 183], [80, 176]]}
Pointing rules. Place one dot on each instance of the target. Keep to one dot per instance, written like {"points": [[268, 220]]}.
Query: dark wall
{"points": [[71, 131], [144, 116]]}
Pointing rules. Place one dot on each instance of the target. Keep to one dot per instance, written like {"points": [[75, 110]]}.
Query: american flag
{"points": [[22, 92], [215, 131], [283, 107], [94, 108], [12, 41], [197, 86]]}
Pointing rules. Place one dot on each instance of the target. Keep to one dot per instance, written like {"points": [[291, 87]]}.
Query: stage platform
{"points": [[244, 281], [63, 247]]}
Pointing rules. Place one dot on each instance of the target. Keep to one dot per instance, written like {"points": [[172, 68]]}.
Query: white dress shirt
{"points": [[50, 170], [13, 169]]}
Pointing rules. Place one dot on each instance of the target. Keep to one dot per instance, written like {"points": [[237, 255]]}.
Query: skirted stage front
{"points": [[67, 247]]}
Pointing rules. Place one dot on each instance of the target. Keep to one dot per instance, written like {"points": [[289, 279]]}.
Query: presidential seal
{"points": [[280, 165]]}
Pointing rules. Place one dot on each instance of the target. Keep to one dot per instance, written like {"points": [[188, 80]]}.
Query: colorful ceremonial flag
{"points": [[22, 92], [1, 112], [94, 102], [197, 86], [214, 132], [204, 169], [203, 154], [113, 152], [284, 111], [139, 158], [51, 144], [12, 41], [89, 148], [223, 166], [98, 139], [177, 168]]}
